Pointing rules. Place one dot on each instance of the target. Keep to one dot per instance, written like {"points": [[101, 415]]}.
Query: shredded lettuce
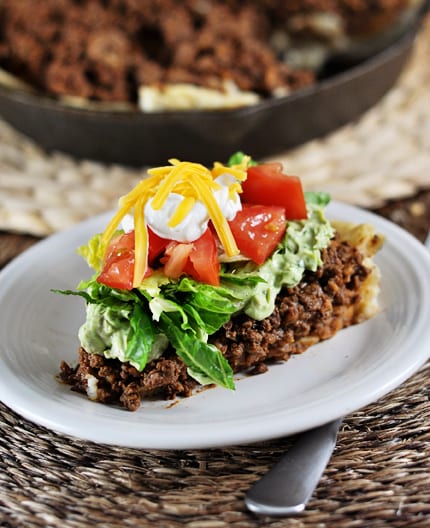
{"points": [[204, 361], [93, 252], [237, 158], [126, 324], [320, 199]]}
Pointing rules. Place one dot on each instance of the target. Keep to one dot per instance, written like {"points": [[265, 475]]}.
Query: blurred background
{"points": [[92, 93]]}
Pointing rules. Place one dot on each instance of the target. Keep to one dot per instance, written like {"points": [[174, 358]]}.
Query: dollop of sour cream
{"points": [[196, 221], [191, 228]]}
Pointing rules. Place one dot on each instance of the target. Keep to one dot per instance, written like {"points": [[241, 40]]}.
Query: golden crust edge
{"points": [[368, 242]]}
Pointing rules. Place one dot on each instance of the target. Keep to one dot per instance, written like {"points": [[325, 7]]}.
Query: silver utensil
{"points": [[427, 241], [288, 486]]}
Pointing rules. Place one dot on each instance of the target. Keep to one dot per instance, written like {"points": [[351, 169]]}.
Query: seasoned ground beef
{"points": [[122, 384], [314, 310], [104, 50]]}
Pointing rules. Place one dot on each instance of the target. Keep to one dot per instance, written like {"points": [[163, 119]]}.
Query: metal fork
{"points": [[288, 486]]}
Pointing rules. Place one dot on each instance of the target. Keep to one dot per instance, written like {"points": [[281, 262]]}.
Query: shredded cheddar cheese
{"points": [[141, 242], [184, 208], [191, 180]]}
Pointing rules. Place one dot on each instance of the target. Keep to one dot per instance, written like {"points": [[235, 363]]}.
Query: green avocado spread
{"points": [[299, 251], [107, 331]]}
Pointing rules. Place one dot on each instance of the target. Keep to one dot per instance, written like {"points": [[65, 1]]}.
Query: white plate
{"points": [[359, 365]]}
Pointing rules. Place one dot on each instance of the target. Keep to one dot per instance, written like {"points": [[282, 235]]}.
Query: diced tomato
{"points": [[118, 263], [175, 258], [258, 229], [118, 245], [197, 259], [203, 263], [156, 245], [267, 185]]}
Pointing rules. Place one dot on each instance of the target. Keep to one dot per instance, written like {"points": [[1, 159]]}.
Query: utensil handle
{"points": [[287, 487]]}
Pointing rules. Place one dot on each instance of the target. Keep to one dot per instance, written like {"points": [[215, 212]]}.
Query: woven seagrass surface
{"points": [[379, 475]]}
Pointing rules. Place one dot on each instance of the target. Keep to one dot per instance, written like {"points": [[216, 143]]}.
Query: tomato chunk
{"points": [[258, 229], [203, 263], [156, 245], [267, 185], [176, 258], [118, 264], [198, 259]]}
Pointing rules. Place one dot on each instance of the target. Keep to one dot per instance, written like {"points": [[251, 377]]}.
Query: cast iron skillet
{"points": [[137, 139]]}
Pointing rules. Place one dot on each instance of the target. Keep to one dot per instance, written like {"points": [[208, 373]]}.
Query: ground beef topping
{"points": [[105, 49]]}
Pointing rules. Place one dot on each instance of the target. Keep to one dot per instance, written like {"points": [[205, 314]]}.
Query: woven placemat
{"points": [[378, 476], [384, 155]]}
